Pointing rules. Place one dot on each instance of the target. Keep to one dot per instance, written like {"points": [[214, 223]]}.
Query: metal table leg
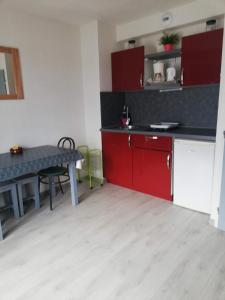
{"points": [[73, 183]]}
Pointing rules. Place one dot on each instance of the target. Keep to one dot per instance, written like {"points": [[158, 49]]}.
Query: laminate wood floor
{"points": [[116, 245]]}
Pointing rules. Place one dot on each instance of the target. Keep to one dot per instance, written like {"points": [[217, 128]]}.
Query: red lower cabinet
{"points": [[152, 165], [152, 172], [117, 158], [139, 162]]}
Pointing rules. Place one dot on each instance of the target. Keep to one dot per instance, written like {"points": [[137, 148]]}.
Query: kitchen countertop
{"points": [[201, 134]]}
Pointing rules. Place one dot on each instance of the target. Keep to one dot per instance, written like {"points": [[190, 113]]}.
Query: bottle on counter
{"points": [[125, 118]]}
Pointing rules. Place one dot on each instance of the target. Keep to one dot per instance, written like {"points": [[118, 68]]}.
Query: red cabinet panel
{"points": [[152, 172], [152, 142], [201, 58], [128, 69], [117, 158], [118, 71]]}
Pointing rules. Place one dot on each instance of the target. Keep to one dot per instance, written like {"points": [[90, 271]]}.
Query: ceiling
{"points": [[83, 11]]}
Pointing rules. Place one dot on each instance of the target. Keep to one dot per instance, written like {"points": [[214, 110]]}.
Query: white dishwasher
{"points": [[193, 174]]}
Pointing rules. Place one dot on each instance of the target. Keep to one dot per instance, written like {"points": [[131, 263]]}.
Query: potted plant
{"points": [[169, 40]]}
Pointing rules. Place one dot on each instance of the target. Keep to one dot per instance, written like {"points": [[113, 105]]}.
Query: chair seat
{"points": [[53, 171]]}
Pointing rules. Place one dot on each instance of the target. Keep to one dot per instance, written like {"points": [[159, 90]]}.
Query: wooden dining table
{"points": [[32, 160]]}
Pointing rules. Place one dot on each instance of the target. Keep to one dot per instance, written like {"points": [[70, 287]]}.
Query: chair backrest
{"points": [[66, 141]]}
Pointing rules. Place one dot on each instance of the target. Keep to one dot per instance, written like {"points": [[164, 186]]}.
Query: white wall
{"points": [[51, 70], [151, 41], [217, 180], [61, 84], [190, 13], [107, 44], [98, 40], [91, 83]]}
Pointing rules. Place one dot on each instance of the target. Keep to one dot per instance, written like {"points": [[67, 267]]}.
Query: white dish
{"points": [[164, 125]]}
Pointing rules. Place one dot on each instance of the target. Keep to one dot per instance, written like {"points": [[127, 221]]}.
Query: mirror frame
{"points": [[19, 95]]}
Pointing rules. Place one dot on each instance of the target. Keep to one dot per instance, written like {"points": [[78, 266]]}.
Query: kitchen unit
{"points": [[175, 165], [142, 158], [193, 174]]}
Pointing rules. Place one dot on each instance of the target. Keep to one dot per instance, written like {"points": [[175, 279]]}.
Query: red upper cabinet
{"points": [[201, 58], [117, 158], [128, 69], [118, 72]]}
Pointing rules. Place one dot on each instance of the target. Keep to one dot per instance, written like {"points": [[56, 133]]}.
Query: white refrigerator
{"points": [[193, 174]]}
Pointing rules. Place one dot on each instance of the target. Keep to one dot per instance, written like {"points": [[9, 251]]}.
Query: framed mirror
{"points": [[11, 86]]}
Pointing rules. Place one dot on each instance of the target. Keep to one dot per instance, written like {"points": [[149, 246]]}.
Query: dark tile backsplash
{"points": [[192, 107], [111, 107]]}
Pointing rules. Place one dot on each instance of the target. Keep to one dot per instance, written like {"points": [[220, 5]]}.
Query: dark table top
{"points": [[204, 134], [33, 160]]}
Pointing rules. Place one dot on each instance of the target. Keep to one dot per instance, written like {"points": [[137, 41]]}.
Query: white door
{"points": [[193, 173]]}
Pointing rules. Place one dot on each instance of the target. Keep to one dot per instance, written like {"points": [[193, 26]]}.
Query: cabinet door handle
{"points": [[129, 141], [168, 161], [151, 138], [182, 76], [141, 80]]}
